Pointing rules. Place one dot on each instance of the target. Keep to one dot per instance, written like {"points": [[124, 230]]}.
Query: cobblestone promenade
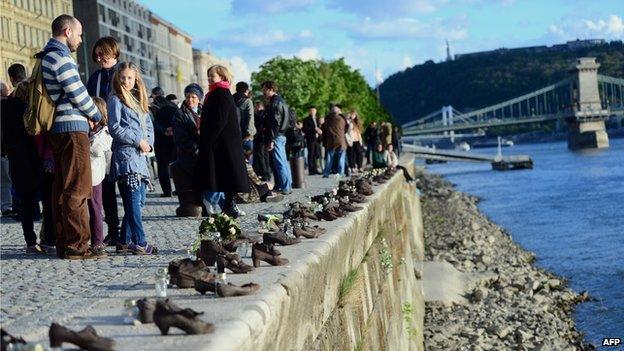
{"points": [[37, 290]]}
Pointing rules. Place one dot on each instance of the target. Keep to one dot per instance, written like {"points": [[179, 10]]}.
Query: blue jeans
{"points": [[335, 162], [132, 225], [281, 167], [214, 198]]}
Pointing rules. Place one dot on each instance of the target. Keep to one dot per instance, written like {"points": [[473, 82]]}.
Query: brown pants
{"points": [[72, 189]]}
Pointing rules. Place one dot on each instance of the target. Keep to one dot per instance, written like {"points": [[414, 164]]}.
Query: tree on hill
{"points": [[319, 83], [473, 82]]}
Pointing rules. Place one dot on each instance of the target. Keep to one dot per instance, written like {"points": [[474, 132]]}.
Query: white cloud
{"points": [[611, 28], [255, 7], [408, 28], [407, 62], [240, 69], [380, 9], [308, 53], [378, 76]]}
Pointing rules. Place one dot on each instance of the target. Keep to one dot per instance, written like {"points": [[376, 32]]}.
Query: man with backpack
{"points": [[278, 122], [73, 108]]}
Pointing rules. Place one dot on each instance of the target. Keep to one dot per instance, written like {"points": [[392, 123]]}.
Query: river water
{"points": [[568, 210]]}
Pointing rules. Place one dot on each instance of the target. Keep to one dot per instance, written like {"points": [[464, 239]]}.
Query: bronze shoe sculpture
{"points": [[261, 252], [86, 339], [169, 315]]}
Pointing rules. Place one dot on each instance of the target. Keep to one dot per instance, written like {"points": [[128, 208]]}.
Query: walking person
{"points": [[164, 146], [106, 54], [261, 160], [356, 136], [277, 124], [371, 136], [69, 139], [5, 178], [246, 109], [100, 150], [131, 127], [24, 163], [221, 165], [312, 133], [335, 143]]}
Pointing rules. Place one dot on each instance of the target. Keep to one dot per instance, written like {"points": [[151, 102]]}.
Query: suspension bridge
{"points": [[584, 101]]}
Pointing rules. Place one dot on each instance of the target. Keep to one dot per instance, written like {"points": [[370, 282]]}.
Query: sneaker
{"points": [[286, 192], [36, 249], [144, 250], [98, 251], [122, 248], [9, 213]]}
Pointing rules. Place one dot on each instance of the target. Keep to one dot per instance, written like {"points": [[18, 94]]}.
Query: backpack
{"points": [[39, 116]]}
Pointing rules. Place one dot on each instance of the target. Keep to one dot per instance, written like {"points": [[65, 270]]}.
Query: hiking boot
{"points": [[72, 254], [144, 250], [98, 251]]}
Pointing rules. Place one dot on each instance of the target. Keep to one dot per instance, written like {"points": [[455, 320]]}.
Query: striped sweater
{"points": [[63, 84]]}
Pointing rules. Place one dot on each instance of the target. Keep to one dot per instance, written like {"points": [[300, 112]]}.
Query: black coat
{"points": [[220, 163], [24, 162], [309, 129], [186, 137]]}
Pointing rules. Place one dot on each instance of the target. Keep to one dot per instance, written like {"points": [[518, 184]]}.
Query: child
{"points": [[393, 160], [131, 127], [100, 151]]}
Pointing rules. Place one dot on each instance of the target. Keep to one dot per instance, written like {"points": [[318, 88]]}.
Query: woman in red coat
{"points": [[220, 165]]}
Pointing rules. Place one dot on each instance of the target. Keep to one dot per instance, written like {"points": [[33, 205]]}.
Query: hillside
{"points": [[473, 82]]}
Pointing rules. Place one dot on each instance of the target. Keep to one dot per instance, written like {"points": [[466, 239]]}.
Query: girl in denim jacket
{"points": [[131, 127]]}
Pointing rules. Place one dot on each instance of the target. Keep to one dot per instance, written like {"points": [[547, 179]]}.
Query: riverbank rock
{"points": [[521, 307]]}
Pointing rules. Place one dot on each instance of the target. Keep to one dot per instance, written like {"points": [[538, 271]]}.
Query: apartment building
{"points": [[125, 20], [173, 56], [25, 29]]}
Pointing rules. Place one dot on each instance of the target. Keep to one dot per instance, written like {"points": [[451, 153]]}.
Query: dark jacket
{"points": [[371, 135], [334, 130], [277, 117], [163, 119], [186, 138], [106, 82], [309, 129], [246, 109], [220, 162], [24, 163]]}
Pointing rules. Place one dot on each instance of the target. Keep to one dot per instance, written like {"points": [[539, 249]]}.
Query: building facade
{"points": [[125, 20], [25, 29], [202, 60], [173, 56]]}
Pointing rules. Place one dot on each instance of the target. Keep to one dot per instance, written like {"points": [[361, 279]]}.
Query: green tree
{"points": [[319, 83]]}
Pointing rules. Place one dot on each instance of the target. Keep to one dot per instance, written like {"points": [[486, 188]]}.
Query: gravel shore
{"points": [[521, 307]]}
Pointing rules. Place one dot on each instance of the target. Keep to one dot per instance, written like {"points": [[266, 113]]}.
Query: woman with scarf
{"points": [[220, 166]]}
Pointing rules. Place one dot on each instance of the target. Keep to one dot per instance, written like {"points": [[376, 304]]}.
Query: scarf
{"points": [[214, 86], [195, 115]]}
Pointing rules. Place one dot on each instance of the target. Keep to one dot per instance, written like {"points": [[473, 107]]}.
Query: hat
{"points": [[158, 91], [194, 88]]}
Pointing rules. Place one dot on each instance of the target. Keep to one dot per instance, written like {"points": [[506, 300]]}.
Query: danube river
{"points": [[569, 210]]}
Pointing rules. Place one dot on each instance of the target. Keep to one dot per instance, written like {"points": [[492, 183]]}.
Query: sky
{"points": [[380, 38]]}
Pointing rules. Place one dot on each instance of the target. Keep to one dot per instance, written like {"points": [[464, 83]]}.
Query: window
{"points": [[102, 13]]}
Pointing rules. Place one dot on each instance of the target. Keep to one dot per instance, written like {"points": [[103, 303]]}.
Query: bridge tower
{"points": [[586, 117]]}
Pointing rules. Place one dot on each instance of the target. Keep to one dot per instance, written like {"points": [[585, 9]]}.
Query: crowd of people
{"points": [[218, 147]]}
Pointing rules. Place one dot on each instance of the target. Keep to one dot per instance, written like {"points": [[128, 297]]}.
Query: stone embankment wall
{"points": [[359, 291]]}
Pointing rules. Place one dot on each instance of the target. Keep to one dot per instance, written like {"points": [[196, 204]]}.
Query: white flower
{"points": [[232, 230], [225, 216], [211, 220]]}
